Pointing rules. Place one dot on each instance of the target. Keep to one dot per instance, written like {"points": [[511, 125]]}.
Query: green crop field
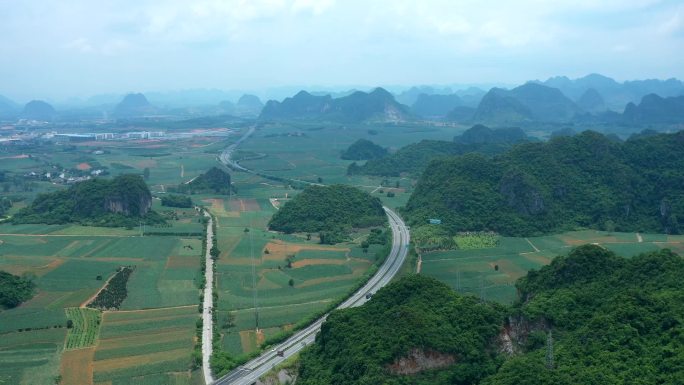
{"points": [[69, 263], [86, 327], [146, 343], [31, 357], [294, 278], [491, 272]]}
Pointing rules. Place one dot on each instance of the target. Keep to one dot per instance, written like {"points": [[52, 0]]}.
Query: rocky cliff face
{"points": [[139, 206], [128, 195], [419, 360], [521, 194]]}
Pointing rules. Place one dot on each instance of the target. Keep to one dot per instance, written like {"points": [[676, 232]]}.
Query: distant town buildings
{"points": [[87, 137]]}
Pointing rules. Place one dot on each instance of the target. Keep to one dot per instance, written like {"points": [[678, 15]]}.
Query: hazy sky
{"points": [[61, 48]]}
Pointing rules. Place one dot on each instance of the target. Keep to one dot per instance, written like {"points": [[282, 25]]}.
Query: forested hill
{"points": [[585, 181], [122, 201], [415, 157], [335, 208], [588, 318], [215, 180], [613, 321], [417, 319], [363, 149]]}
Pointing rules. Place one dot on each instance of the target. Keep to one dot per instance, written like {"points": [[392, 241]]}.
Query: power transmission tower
{"points": [[254, 281], [549, 351]]}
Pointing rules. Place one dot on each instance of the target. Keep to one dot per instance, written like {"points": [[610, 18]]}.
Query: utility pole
{"points": [[549, 351], [482, 289], [458, 281]]}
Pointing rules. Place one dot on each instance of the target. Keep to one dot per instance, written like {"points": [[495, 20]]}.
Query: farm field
{"points": [[295, 151], [491, 272], [69, 265], [31, 357], [150, 339], [294, 277], [146, 346]]}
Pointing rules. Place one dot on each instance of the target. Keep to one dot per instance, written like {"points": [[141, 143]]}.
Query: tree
{"points": [[291, 282], [146, 173], [609, 226], [214, 252]]}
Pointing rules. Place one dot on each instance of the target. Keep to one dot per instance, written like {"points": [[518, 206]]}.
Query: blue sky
{"points": [[64, 48]]}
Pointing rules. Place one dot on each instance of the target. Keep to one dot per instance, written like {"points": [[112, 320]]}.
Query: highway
{"points": [[248, 374], [225, 156]]}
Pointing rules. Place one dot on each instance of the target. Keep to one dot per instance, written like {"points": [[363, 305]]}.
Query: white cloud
{"points": [[675, 24], [316, 7], [239, 43]]}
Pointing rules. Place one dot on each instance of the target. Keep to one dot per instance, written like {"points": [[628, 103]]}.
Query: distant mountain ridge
{"points": [[435, 106], [38, 110], [616, 95], [247, 106], [8, 108], [134, 105], [529, 102], [656, 109], [357, 107]]}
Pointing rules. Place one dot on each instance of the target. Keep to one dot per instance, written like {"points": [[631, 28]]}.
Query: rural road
{"points": [[207, 321], [248, 374]]}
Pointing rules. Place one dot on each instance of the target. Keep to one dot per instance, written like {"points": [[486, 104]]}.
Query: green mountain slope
{"points": [[589, 318], [570, 182], [415, 157], [416, 318]]}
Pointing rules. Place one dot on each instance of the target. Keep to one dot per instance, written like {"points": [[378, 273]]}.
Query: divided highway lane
{"points": [[225, 156], [251, 371]]}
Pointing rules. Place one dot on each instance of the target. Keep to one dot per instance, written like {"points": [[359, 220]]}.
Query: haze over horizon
{"points": [[56, 50]]}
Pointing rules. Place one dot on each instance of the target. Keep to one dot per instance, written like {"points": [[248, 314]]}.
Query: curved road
{"points": [[251, 371]]}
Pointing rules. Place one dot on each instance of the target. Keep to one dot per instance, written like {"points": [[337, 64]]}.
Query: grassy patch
{"points": [[479, 240], [491, 272]]}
